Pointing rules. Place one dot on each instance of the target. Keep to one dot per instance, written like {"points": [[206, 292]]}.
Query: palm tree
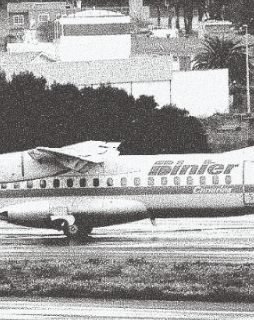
{"points": [[219, 53]]}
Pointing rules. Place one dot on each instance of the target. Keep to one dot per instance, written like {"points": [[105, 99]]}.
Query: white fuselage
{"points": [[129, 188]]}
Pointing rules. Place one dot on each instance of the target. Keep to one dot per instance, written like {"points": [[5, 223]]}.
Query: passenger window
{"points": [[150, 181], [16, 185], [228, 180], [56, 183], [110, 182], [82, 183], [123, 182], [164, 181], [96, 182], [137, 182], [29, 184], [215, 179], [177, 181], [202, 180], [189, 181], [69, 183], [43, 184]]}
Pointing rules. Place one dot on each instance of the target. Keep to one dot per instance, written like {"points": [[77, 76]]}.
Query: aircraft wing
{"points": [[78, 156]]}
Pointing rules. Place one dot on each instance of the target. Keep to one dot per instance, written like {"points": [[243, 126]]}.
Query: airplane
{"points": [[78, 187]]}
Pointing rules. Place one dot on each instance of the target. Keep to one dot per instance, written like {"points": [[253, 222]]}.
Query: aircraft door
{"points": [[248, 182]]}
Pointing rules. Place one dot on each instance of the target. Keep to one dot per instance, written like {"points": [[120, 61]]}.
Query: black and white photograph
{"points": [[127, 159]]}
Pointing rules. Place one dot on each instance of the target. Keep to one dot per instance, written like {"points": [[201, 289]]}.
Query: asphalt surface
{"points": [[100, 309], [211, 240], [229, 240]]}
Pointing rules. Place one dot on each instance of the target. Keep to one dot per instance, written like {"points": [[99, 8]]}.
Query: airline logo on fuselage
{"points": [[163, 168]]}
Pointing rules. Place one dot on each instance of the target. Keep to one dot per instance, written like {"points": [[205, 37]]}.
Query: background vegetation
{"points": [[128, 279], [33, 114]]}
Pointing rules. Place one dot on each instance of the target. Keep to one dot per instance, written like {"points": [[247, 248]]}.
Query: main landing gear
{"points": [[70, 227], [75, 231]]}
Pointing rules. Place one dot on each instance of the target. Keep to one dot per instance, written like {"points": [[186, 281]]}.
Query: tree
{"points": [[219, 53], [241, 12], [164, 131]]}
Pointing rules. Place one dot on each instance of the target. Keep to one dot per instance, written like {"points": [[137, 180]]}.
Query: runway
{"points": [[228, 240], [100, 309]]}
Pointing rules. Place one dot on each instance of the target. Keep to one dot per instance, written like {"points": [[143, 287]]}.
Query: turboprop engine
{"points": [[19, 166], [80, 213]]}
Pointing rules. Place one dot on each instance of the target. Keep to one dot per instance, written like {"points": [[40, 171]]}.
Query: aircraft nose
{"points": [[3, 215]]}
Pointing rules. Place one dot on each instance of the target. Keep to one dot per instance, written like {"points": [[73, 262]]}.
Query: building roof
{"points": [[162, 46], [86, 73], [29, 6]]}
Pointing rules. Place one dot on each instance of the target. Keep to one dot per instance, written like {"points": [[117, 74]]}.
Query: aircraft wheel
{"points": [[71, 231], [74, 232]]}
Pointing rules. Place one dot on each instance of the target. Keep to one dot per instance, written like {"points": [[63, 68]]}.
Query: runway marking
{"points": [[28, 310]]}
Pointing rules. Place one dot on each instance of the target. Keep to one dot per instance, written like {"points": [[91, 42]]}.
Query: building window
{"points": [[150, 181], [69, 183], [43, 17], [177, 181], [3, 186], [123, 182], [56, 183], [110, 182], [82, 183], [29, 184], [18, 20], [164, 181], [96, 182], [189, 181], [215, 179], [137, 182], [43, 184], [228, 180]]}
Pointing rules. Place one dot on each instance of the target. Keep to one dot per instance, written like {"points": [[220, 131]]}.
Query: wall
{"points": [[201, 92], [88, 48]]}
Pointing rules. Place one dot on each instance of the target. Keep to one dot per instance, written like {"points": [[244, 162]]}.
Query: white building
{"points": [[93, 35], [201, 92]]}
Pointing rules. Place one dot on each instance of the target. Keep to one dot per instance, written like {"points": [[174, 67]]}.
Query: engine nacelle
{"points": [[28, 211], [94, 212], [19, 166], [100, 212]]}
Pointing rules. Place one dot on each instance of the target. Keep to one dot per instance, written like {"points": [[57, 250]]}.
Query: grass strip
{"points": [[128, 279]]}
